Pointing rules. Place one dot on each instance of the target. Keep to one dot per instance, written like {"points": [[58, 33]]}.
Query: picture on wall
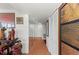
{"points": [[7, 20], [19, 20], [69, 25]]}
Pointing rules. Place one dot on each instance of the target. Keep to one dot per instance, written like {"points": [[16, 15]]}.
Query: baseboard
{"points": [[35, 37]]}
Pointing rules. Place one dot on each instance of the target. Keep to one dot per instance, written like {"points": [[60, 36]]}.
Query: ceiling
{"points": [[38, 12]]}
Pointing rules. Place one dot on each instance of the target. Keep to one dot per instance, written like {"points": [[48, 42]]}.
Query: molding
{"points": [[59, 32]]}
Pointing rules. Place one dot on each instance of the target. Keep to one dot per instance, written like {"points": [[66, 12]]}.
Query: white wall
{"points": [[31, 30], [5, 8], [46, 28], [22, 32], [36, 30], [52, 41]]}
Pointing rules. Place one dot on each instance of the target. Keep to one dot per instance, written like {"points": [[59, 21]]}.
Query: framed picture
{"points": [[7, 20], [69, 26], [19, 20]]}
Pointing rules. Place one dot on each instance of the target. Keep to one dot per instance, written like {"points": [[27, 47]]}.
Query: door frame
{"points": [[59, 27]]}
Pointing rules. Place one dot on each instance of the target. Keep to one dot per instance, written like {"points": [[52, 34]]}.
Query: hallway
{"points": [[39, 21], [38, 47]]}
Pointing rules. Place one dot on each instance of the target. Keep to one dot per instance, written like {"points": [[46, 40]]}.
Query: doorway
{"points": [[38, 34]]}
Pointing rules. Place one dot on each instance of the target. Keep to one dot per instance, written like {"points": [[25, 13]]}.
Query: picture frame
{"points": [[19, 20], [68, 26]]}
